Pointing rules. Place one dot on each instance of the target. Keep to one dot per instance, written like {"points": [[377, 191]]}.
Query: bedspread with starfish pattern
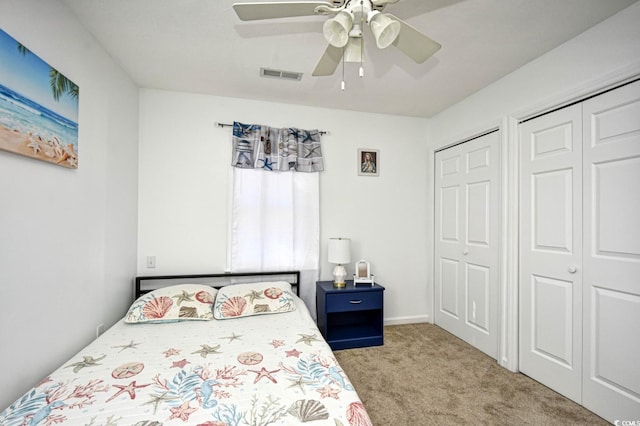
{"points": [[261, 370]]}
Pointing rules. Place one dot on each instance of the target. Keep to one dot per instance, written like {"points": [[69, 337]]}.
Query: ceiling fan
{"points": [[344, 29]]}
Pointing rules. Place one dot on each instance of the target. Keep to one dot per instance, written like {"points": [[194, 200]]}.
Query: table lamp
{"points": [[340, 254]]}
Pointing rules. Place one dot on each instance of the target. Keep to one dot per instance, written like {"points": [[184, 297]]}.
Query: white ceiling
{"points": [[201, 46]]}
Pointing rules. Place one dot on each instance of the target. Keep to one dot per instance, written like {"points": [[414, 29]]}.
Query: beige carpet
{"points": [[425, 376]]}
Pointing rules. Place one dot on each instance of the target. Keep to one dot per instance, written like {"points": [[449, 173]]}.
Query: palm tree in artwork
{"points": [[60, 84], [22, 49]]}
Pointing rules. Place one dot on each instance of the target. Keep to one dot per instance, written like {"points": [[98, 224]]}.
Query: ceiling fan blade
{"points": [[383, 2], [413, 43], [271, 10], [329, 62]]}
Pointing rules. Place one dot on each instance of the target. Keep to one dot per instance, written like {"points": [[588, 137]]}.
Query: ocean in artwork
{"points": [[23, 115]]}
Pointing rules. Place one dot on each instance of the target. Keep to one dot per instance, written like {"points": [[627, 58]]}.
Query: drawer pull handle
{"points": [[355, 302]]}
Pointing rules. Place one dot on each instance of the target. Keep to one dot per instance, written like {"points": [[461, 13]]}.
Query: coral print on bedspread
{"points": [[256, 370]]}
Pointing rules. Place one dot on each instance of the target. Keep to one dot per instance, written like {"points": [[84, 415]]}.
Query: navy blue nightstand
{"points": [[350, 317]]}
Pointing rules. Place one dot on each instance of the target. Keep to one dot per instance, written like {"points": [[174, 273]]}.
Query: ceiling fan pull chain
{"points": [[342, 85], [361, 70]]}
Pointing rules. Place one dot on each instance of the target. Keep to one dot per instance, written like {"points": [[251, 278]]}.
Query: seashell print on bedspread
{"points": [[256, 370]]}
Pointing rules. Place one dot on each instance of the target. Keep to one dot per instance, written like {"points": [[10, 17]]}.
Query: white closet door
{"points": [[612, 254], [466, 247], [550, 328]]}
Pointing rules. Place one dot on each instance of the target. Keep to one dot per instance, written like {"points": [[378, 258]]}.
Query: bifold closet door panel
{"points": [[466, 246], [580, 252], [550, 327], [611, 378]]}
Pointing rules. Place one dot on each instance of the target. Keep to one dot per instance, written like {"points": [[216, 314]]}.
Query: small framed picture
{"points": [[368, 162]]}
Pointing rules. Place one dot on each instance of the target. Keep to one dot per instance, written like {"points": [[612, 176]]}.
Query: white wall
{"points": [[184, 180], [66, 236], [598, 59]]}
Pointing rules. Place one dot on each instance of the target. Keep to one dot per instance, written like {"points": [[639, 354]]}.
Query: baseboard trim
{"points": [[407, 320]]}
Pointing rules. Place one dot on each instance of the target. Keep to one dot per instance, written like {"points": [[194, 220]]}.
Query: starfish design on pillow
{"points": [[183, 297], [253, 295]]}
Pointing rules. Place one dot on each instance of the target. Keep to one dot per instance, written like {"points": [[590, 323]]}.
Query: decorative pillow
{"points": [[182, 302], [242, 300]]}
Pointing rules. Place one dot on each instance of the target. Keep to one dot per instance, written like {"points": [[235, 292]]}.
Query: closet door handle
{"points": [[465, 251], [572, 269]]}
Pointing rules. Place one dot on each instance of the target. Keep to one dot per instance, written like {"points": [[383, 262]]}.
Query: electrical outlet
{"points": [[151, 261], [99, 329]]}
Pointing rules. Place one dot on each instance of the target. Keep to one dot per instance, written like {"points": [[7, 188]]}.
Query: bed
{"points": [[217, 349]]}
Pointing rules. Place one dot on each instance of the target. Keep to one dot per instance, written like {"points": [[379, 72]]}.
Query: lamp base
{"points": [[339, 275]]}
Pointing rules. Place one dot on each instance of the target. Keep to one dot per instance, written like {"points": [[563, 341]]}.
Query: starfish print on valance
{"points": [[276, 149]]}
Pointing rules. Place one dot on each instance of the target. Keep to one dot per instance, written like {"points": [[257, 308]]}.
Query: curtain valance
{"points": [[276, 149]]}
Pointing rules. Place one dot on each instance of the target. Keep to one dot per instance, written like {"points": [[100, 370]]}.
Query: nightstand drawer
{"points": [[354, 301]]}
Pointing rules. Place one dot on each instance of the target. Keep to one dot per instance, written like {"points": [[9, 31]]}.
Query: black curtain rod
{"points": [[322, 132]]}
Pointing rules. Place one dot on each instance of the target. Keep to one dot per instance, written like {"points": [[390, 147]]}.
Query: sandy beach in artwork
{"points": [[34, 146]]}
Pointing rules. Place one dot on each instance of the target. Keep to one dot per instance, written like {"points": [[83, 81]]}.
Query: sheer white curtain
{"points": [[275, 225]]}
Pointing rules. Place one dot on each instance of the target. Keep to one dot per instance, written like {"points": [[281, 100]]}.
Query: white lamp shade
{"points": [[384, 29], [339, 250], [336, 30]]}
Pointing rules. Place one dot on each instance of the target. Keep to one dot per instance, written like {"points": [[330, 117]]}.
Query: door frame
{"points": [[508, 126]]}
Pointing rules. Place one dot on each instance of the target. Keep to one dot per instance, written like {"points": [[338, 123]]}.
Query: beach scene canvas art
{"points": [[38, 107]]}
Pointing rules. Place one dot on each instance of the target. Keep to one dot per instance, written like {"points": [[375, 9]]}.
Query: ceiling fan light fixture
{"points": [[353, 50], [336, 30], [384, 29]]}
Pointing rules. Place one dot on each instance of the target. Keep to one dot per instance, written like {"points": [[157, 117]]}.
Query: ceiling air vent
{"points": [[285, 75]]}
